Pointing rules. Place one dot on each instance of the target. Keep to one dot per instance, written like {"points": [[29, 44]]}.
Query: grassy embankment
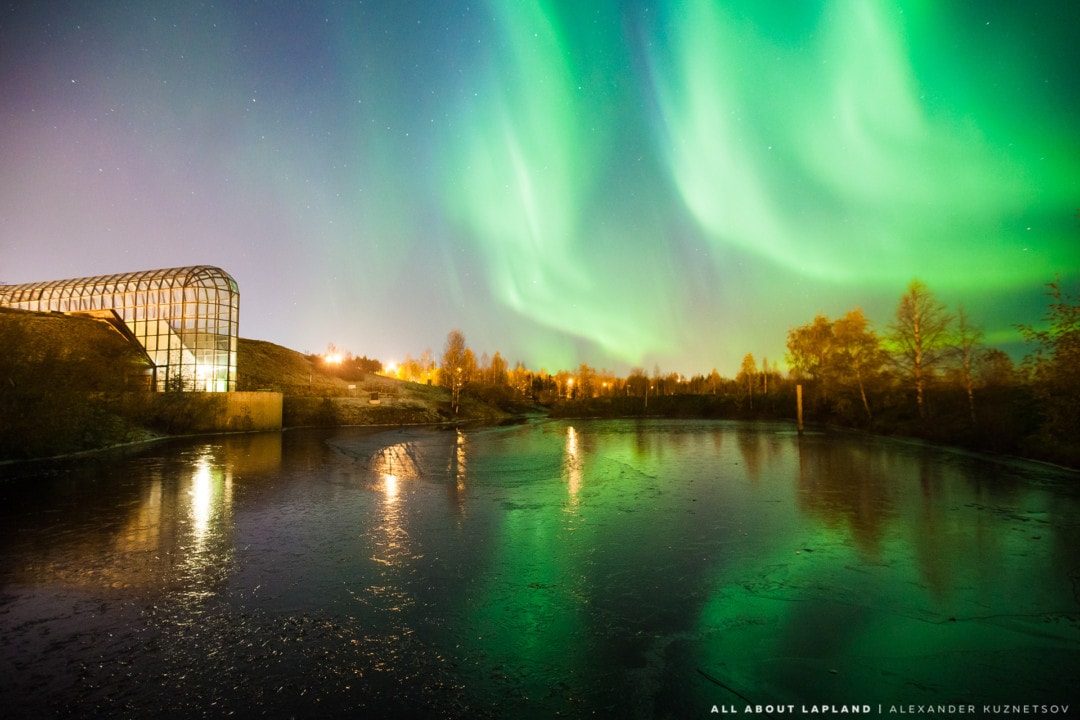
{"points": [[318, 394], [74, 384]]}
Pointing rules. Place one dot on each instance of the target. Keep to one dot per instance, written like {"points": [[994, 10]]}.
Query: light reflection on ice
{"points": [[572, 464], [201, 499], [459, 459], [396, 461], [626, 568]]}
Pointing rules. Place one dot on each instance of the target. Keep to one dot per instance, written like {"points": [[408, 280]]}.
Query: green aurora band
{"points": [[618, 183], [534, 160], [845, 146]]}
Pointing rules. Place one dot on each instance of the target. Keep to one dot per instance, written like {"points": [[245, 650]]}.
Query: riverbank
{"points": [[50, 425], [77, 386]]}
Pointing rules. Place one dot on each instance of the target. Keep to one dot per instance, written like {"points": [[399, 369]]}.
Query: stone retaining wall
{"points": [[219, 412]]}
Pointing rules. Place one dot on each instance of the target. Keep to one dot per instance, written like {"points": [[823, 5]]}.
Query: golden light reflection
{"points": [[397, 462], [142, 532], [572, 464], [211, 497], [390, 487], [393, 466], [459, 460], [202, 499]]}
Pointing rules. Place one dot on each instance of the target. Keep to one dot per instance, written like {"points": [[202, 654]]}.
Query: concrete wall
{"points": [[220, 412], [251, 411]]}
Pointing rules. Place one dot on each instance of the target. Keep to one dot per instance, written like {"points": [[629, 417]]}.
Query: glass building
{"points": [[185, 319]]}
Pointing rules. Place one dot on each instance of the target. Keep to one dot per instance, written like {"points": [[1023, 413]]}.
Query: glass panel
{"points": [[185, 318]]}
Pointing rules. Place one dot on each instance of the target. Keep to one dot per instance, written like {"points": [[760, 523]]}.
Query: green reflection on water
{"points": [[893, 585], [683, 568], [526, 611], [635, 567]]}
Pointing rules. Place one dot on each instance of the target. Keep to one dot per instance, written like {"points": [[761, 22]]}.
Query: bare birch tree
{"points": [[920, 338], [453, 371], [747, 374], [968, 340]]}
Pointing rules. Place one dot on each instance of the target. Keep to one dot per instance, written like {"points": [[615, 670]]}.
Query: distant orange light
{"points": [[332, 358]]}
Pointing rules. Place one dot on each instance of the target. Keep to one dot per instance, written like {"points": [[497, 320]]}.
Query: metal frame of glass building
{"points": [[186, 319]]}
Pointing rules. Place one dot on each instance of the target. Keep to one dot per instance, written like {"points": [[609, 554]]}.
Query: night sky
{"points": [[672, 183]]}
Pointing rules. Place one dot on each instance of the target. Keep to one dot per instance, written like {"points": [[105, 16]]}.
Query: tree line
{"points": [[931, 374], [928, 374]]}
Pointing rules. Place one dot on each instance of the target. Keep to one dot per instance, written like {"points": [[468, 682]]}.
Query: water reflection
{"points": [[252, 455], [204, 505], [142, 531], [390, 483], [602, 567], [394, 465], [847, 488], [572, 465], [750, 449], [459, 463], [396, 462]]}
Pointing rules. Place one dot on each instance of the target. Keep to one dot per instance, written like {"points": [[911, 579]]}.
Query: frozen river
{"points": [[631, 569]]}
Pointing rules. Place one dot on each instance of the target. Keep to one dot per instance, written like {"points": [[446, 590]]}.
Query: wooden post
{"points": [[798, 395]]}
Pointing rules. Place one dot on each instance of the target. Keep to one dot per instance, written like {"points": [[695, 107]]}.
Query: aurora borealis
{"points": [[618, 183]]}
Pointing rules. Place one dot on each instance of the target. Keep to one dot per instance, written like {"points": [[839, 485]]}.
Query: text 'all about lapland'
{"points": [[1022, 709]]}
